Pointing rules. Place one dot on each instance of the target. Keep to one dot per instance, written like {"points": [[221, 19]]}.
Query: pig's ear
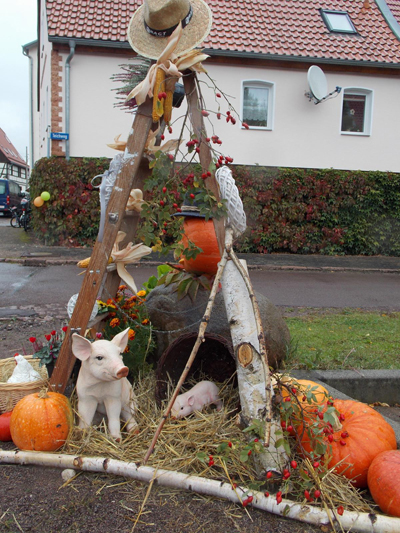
{"points": [[121, 340], [81, 347], [191, 400]]}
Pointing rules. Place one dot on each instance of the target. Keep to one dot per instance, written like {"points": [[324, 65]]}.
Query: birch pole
{"points": [[350, 520], [255, 387]]}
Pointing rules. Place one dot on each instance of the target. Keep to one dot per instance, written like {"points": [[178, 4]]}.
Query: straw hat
{"points": [[155, 20]]}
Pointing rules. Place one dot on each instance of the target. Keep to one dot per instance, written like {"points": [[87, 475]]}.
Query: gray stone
{"points": [[172, 318]]}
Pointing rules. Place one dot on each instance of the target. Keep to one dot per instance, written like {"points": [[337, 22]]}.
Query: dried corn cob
{"points": [[84, 263], [159, 87], [168, 106]]}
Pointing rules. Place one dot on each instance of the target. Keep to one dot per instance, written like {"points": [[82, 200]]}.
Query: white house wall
{"points": [[94, 121], [303, 134], [308, 135], [43, 128]]}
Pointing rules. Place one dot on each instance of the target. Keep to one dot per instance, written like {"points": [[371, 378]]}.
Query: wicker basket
{"points": [[11, 393]]}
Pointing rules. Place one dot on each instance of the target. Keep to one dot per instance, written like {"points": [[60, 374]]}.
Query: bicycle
{"points": [[25, 219], [15, 221]]}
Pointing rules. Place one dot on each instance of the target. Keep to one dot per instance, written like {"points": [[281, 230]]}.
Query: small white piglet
{"points": [[102, 382], [203, 393]]}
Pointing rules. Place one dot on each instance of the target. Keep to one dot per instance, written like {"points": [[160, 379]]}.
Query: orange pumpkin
{"points": [[304, 386], [383, 481], [359, 436], [201, 233], [41, 421], [303, 406]]}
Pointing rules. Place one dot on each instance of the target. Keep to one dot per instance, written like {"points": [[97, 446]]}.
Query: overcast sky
{"points": [[18, 27]]}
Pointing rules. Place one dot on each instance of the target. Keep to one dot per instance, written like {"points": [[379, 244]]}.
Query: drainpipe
{"points": [[26, 53], [67, 94]]}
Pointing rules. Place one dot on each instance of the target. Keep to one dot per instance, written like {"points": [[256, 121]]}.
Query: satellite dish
{"points": [[318, 85], [317, 82]]}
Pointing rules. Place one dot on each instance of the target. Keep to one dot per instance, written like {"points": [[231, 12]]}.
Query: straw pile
{"points": [[181, 441]]}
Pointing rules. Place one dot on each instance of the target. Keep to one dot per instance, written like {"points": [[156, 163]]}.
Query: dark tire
{"points": [[14, 221], [27, 220]]}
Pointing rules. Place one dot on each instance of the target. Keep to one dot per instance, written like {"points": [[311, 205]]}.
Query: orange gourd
{"points": [[202, 234], [384, 481], [41, 421], [361, 433]]}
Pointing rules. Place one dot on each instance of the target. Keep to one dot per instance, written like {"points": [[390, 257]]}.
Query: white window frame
{"points": [[271, 101], [331, 27], [369, 103]]}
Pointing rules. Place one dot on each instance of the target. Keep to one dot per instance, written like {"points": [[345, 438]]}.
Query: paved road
{"points": [[23, 285]]}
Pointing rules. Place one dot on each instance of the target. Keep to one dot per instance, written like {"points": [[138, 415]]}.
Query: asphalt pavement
{"points": [[286, 279]]}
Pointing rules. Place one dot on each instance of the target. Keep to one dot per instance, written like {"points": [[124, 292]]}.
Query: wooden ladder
{"points": [[134, 171]]}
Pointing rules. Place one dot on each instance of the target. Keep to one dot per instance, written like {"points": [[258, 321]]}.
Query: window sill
{"points": [[262, 128], [356, 133]]}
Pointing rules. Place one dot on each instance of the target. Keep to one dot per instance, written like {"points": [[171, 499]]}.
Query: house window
{"points": [[338, 21], [257, 104], [357, 111]]}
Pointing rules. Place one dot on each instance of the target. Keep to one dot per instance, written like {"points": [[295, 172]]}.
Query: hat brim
{"points": [[193, 34]]}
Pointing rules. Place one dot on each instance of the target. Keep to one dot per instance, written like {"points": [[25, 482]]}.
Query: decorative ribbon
{"points": [[172, 65], [128, 255]]}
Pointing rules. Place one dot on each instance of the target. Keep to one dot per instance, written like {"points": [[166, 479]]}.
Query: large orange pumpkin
{"points": [[384, 481], [359, 436], [201, 233], [41, 421]]}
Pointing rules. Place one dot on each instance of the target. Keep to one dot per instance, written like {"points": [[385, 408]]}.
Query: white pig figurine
{"points": [[102, 382], [203, 393]]}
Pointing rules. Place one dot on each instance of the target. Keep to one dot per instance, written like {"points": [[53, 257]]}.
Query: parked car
{"points": [[10, 195]]}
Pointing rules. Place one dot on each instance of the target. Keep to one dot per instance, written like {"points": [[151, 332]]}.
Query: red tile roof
{"points": [[274, 27], [394, 6], [9, 150]]}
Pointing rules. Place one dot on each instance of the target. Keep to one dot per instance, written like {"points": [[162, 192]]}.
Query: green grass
{"points": [[343, 340]]}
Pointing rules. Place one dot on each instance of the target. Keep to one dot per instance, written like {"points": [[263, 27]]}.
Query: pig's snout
{"points": [[122, 372]]}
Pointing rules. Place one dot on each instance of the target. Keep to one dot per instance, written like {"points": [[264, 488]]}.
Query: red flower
{"points": [[54, 332], [48, 337], [32, 339], [65, 328]]}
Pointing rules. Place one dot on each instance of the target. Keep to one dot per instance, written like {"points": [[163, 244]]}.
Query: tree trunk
{"points": [[250, 367]]}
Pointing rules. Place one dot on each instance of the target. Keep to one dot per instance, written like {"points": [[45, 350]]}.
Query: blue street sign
{"points": [[59, 136]]}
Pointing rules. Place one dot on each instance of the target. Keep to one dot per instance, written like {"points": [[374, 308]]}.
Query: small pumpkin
{"points": [[383, 481], [201, 232], [361, 433], [41, 421], [5, 435]]}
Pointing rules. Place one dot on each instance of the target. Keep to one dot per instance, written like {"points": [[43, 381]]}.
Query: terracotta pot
{"points": [[202, 233]]}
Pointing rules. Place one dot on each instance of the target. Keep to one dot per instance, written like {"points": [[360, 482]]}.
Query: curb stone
{"points": [[39, 261]]}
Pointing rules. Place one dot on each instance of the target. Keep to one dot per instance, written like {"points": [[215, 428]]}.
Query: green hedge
{"points": [[71, 216], [289, 210], [320, 211]]}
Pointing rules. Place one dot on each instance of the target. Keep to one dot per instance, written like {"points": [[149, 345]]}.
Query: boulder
{"points": [[172, 318]]}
